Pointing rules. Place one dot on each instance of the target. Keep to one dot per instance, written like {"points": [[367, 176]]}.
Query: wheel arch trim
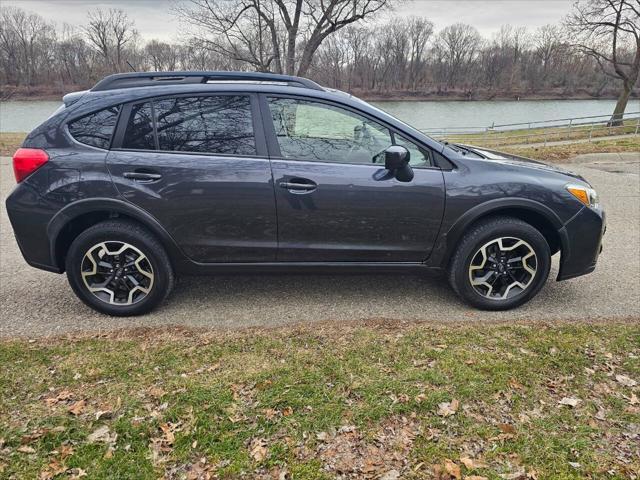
{"points": [[93, 205], [496, 206]]}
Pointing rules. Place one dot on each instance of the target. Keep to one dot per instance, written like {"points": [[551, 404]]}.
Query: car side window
{"points": [[139, 132], [314, 131], [220, 124], [212, 124], [95, 129], [418, 156]]}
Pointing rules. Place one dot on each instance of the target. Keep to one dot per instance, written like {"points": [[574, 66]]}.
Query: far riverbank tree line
{"points": [[353, 45]]}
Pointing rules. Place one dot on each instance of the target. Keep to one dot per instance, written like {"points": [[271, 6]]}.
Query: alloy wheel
{"points": [[117, 273], [503, 268]]}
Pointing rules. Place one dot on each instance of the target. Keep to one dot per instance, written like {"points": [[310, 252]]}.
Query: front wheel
{"points": [[500, 264], [119, 268]]}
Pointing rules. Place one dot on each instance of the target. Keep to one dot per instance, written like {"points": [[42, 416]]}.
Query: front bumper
{"points": [[581, 243]]}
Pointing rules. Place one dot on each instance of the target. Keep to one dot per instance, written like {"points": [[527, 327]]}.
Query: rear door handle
{"points": [[142, 176], [298, 186]]}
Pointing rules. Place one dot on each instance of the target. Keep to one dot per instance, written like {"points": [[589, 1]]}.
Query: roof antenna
{"points": [[130, 66]]}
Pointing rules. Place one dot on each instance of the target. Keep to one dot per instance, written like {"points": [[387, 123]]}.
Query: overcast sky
{"points": [[154, 20]]}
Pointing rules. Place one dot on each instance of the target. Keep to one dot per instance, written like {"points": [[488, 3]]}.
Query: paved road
{"points": [[36, 303]]}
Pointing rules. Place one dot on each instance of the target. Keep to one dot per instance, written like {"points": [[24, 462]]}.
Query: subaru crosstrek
{"points": [[151, 175]]}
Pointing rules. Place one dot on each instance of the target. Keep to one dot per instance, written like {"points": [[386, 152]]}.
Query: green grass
{"points": [[319, 402]]}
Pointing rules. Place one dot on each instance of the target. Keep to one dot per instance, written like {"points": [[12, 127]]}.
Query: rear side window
{"points": [[95, 129], [209, 124]]}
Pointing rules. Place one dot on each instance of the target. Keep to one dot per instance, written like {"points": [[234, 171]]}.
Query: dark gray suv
{"points": [[151, 175]]}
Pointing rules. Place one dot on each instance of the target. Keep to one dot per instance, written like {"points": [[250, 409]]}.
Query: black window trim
{"points": [[274, 147], [258, 133], [93, 112]]}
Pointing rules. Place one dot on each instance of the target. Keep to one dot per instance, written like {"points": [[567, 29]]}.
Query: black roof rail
{"points": [[147, 79]]}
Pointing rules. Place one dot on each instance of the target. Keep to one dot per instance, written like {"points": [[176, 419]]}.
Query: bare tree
{"points": [[457, 46], [419, 31], [547, 43], [272, 35], [26, 41], [109, 32], [609, 32]]}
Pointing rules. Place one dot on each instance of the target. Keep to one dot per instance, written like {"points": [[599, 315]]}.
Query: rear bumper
{"points": [[29, 215], [581, 243]]}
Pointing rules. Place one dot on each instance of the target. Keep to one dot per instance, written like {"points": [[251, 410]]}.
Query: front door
{"points": [[197, 165], [334, 203]]}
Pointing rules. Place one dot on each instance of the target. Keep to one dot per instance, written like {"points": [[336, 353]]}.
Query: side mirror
{"points": [[396, 157], [396, 160]]}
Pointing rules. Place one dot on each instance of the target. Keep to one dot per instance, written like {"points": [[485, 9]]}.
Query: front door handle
{"points": [[142, 176], [299, 184]]}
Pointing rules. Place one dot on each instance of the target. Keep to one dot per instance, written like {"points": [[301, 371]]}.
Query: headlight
{"points": [[586, 195]]}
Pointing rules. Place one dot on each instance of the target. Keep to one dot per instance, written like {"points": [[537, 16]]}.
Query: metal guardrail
{"points": [[543, 131]]}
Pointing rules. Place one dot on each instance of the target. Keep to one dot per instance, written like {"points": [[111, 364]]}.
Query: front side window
{"points": [[210, 124], [95, 129], [418, 156], [316, 131]]}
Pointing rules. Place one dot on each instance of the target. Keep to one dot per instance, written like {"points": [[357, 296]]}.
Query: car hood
{"points": [[510, 159]]}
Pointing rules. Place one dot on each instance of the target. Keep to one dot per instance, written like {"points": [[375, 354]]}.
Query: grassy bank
{"points": [[502, 138], [10, 142], [560, 153], [363, 402]]}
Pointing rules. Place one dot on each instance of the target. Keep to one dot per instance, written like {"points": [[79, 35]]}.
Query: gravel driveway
{"points": [[36, 303]]}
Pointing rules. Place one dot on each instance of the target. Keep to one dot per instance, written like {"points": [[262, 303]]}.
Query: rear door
{"points": [[334, 203], [199, 165]]}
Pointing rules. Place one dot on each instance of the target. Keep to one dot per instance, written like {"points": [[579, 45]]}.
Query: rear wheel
{"points": [[119, 268], [500, 264]]}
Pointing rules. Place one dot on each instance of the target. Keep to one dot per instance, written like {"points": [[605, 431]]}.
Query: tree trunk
{"points": [[617, 119]]}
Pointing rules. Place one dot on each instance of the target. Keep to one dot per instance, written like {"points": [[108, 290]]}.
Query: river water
{"points": [[23, 116]]}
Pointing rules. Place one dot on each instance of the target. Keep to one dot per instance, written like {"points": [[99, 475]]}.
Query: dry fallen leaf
{"points": [[472, 464], [156, 392], [101, 435], [391, 475], [258, 449], [507, 428], [26, 449], [65, 451], [167, 430], [62, 396], [626, 381], [287, 411], [446, 409], [77, 408], [475, 477], [452, 469], [570, 401], [77, 473]]}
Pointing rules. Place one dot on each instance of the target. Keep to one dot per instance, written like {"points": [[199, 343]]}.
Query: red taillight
{"points": [[28, 160]]}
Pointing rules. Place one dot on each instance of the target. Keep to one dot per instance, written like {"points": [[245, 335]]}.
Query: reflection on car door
{"points": [[333, 203]]}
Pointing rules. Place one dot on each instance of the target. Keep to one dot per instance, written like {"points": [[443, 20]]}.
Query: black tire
{"points": [[479, 235], [135, 235]]}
